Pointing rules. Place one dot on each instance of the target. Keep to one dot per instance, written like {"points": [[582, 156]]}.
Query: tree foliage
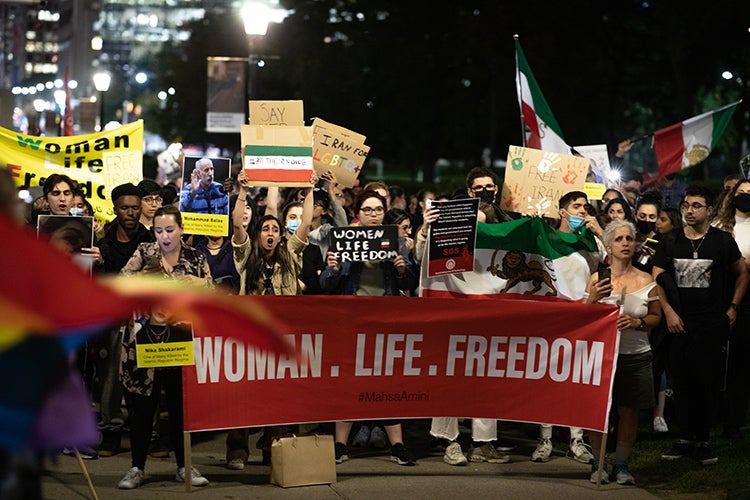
{"points": [[425, 80]]}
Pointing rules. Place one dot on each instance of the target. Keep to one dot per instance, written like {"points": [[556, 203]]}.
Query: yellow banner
{"points": [[99, 162]]}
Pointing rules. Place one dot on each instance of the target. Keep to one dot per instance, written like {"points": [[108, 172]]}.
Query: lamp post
{"points": [[102, 81], [255, 16]]}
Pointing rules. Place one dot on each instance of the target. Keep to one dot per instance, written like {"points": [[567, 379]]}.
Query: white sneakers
{"points": [[132, 480], [580, 451], [196, 479], [236, 464], [660, 425], [543, 451], [454, 455], [487, 453]]}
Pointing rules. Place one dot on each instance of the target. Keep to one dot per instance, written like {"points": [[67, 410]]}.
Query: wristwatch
{"points": [[642, 326], [736, 307]]}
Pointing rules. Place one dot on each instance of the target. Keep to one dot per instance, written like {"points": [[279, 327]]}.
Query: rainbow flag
{"points": [[49, 307]]}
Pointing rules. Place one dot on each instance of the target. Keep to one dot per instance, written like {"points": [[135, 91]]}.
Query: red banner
{"points": [[392, 357]]}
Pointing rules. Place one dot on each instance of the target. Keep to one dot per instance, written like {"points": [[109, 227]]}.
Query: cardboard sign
{"points": [[361, 244], [277, 156], [452, 237], [277, 113], [599, 157], [338, 149], [164, 345], [535, 178], [203, 202]]}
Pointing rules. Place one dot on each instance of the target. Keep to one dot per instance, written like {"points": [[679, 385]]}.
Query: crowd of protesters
{"points": [[671, 256]]}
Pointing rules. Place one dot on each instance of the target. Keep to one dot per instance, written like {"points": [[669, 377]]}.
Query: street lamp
{"points": [[102, 79]]}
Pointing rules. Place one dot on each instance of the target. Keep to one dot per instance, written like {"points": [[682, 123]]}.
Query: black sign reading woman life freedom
{"points": [[452, 237], [362, 244]]}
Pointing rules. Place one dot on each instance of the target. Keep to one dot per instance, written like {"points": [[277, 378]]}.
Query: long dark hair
{"points": [[256, 261]]}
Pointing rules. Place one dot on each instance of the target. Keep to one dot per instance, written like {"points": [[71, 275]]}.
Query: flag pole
{"points": [[520, 90]]}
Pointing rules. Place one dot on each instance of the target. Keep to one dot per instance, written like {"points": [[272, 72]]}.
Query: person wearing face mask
{"points": [[573, 219], [735, 219], [646, 215], [481, 183], [312, 260]]}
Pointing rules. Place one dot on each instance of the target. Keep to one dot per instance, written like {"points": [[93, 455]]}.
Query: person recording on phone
{"points": [[635, 292], [202, 195]]}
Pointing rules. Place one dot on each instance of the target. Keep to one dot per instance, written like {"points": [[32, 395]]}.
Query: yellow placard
{"points": [[594, 191], [338, 149], [536, 179], [208, 224], [277, 113], [99, 162], [165, 354]]}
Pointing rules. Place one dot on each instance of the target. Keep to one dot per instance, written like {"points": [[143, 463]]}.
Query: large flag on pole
{"points": [[689, 142], [541, 130]]}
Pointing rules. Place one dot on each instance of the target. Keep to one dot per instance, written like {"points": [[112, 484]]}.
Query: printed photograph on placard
{"points": [[203, 202], [69, 234]]}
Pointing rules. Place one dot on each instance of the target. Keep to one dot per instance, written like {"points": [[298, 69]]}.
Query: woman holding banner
{"points": [[635, 292], [171, 258], [371, 279]]}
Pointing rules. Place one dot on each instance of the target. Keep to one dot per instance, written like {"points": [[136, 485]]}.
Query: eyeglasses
{"points": [[695, 206], [371, 210], [488, 187], [152, 199]]}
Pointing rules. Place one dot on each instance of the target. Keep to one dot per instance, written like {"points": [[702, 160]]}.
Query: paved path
{"points": [[368, 475]]}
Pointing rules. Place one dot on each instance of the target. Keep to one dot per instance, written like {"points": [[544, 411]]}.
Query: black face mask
{"points": [[645, 226], [742, 202], [485, 195]]}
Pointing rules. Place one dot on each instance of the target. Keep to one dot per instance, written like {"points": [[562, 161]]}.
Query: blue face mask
{"points": [[293, 225], [575, 222]]}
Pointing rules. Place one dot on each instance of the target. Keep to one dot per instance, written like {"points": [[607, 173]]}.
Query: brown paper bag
{"points": [[302, 461]]}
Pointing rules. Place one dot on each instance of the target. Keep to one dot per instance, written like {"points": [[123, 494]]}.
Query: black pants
{"points": [[695, 361], [142, 408], [737, 394]]}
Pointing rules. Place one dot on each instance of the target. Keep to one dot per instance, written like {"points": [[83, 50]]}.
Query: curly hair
{"points": [[725, 217]]}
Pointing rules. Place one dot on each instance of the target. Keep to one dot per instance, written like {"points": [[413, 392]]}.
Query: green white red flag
{"points": [[521, 257], [688, 143], [540, 127]]}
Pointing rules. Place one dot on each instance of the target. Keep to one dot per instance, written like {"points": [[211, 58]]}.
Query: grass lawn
{"points": [[686, 478]]}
